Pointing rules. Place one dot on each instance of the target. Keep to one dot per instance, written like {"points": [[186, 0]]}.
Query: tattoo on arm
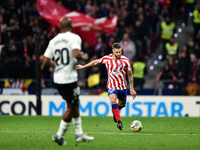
{"points": [[130, 77]]}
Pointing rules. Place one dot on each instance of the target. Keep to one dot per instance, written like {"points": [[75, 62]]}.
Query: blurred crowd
{"points": [[182, 69], [23, 31]]}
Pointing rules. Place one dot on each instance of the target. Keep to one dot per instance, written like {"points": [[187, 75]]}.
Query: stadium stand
{"points": [[139, 21]]}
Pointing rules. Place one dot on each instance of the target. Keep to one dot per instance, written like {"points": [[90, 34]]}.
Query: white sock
{"points": [[63, 128], [78, 125]]}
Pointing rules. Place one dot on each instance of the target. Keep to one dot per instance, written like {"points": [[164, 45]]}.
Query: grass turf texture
{"points": [[35, 133]]}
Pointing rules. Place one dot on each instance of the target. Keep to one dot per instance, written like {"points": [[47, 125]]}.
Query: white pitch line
{"points": [[107, 133], [74, 132]]}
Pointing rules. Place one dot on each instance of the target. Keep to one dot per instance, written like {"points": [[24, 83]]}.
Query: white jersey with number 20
{"points": [[60, 48]]}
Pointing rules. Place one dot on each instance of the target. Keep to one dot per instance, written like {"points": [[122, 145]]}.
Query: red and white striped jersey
{"points": [[116, 69]]}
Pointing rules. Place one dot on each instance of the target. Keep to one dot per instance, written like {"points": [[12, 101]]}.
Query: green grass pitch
{"points": [[35, 133]]}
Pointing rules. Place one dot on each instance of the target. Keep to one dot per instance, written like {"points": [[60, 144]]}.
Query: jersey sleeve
{"points": [[102, 60], [49, 51], [129, 65], [77, 43]]}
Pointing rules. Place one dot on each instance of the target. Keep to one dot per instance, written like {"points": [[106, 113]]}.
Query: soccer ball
{"points": [[136, 126]]}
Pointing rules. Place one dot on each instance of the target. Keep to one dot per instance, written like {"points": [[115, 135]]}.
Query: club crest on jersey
{"points": [[120, 64], [110, 90]]}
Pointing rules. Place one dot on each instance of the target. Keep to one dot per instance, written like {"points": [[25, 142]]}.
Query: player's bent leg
{"points": [[60, 141], [80, 136], [84, 138], [113, 98], [64, 124], [113, 107], [59, 137], [119, 125], [75, 109], [62, 129], [122, 103], [115, 110], [114, 118]]}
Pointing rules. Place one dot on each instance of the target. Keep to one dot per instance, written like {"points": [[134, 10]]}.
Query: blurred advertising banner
{"points": [[83, 25], [143, 106]]}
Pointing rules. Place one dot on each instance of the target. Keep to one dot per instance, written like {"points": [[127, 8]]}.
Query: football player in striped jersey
{"points": [[117, 66]]}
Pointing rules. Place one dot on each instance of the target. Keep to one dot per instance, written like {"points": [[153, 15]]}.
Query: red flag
{"points": [[83, 25]]}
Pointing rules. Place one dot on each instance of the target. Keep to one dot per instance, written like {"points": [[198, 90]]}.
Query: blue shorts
{"points": [[121, 94]]}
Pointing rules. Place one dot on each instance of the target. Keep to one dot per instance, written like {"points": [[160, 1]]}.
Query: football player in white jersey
{"points": [[117, 66], [62, 54]]}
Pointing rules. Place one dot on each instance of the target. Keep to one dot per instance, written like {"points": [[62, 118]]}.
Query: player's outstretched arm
{"points": [[90, 64], [132, 91]]}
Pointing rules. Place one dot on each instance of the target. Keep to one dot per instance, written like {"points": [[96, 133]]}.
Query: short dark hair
{"points": [[65, 23], [116, 46]]}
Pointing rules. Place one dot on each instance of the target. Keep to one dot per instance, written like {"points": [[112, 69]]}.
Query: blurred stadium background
{"points": [[25, 32], [167, 84]]}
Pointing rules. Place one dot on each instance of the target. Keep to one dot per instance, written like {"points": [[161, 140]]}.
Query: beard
{"points": [[118, 56]]}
